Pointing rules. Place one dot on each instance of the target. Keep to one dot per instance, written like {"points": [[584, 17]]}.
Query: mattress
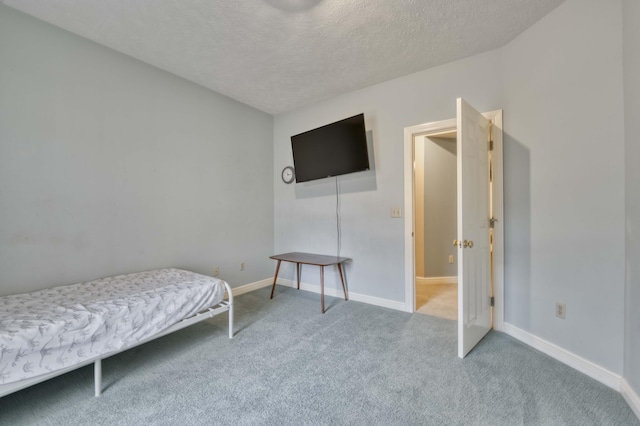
{"points": [[51, 329]]}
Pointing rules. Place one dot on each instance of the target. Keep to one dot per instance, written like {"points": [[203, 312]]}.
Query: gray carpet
{"points": [[290, 365]]}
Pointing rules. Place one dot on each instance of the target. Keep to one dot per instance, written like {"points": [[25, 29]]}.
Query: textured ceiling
{"points": [[277, 55]]}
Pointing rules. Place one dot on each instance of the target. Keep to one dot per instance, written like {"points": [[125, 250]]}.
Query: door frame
{"points": [[432, 128]]}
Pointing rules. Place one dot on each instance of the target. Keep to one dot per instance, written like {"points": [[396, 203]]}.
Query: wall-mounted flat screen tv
{"points": [[332, 150]]}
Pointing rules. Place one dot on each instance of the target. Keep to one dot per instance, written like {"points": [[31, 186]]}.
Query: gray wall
{"points": [[109, 165], [440, 215], [305, 213], [559, 84], [631, 39], [564, 180]]}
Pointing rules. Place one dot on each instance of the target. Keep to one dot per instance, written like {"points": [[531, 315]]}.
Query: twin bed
{"points": [[47, 333]]}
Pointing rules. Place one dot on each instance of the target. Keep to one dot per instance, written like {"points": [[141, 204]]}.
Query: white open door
{"points": [[474, 249]]}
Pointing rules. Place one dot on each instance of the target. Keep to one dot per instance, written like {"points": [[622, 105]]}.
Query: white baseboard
{"points": [[356, 297], [371, 300], [237, 291], [631, 397], [584, 366], [436, 280]]}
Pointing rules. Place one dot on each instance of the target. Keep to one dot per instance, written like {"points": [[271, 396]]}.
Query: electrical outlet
{"points": [[216, 271], [396, 212], [242, 266], [561, 310], [451, 258]]}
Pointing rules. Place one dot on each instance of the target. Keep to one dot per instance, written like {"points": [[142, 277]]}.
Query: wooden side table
{"points": [[310, 259]]}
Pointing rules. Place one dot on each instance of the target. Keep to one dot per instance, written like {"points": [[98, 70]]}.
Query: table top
{"points": [[310, 258]]}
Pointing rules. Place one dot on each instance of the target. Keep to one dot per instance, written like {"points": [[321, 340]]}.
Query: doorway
{"points": [[435, 186], [480, 252]]}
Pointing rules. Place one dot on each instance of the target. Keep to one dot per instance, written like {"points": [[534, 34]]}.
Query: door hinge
{"points": [[492, 301], [490, 136], [492, 222]]}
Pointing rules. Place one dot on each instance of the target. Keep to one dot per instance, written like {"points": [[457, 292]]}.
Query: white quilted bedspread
{"points": [[48, 330]]}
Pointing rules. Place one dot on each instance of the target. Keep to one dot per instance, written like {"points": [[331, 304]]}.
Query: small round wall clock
{"points": [[288, 175]]}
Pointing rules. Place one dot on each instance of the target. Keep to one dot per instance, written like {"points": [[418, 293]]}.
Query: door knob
{"points": [[457, 243], [467, 243]]}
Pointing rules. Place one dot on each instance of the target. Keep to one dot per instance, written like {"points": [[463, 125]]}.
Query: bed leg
{"points": [[231, 322], [230, 296], [97, 373]]}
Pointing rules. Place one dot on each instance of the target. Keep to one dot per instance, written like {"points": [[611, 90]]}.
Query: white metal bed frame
{"points": [[221, 307]]}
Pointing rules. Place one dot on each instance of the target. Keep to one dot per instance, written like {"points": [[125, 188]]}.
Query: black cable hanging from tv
{"points": [[339, 232]]}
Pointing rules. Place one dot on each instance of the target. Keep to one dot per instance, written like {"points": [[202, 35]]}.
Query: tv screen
{"points": [[335, 149]]}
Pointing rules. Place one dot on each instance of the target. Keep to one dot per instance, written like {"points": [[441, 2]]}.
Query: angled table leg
{"points": [[275, 278], [342, 279], [322, 286]]}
